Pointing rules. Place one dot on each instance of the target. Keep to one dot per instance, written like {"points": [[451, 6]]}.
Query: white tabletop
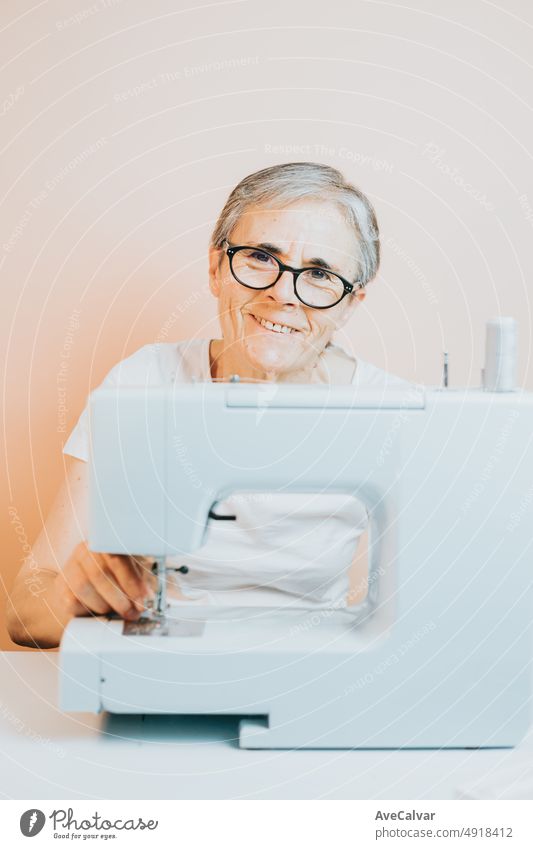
{"points": [[48, 754]]}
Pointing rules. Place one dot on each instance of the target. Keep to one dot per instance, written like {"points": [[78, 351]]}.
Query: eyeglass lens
{"points": [[258, 269]]}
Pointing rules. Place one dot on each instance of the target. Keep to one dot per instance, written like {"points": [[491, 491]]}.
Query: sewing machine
{"points": [[439, 652]]}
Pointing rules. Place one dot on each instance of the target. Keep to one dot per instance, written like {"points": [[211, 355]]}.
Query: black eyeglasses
{"points": [[315, 287]]}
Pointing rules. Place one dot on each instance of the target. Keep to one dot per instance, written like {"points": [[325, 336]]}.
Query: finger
{"points": [[103, 581], [151, 583], [67, 595], [145, 563], [90, 598], [127, 575], [143, 568]]}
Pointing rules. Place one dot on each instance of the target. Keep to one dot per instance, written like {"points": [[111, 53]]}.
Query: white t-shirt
{"points": [[283, 549]]}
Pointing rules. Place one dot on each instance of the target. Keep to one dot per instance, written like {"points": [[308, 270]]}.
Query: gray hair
{"points": [[293, 181]]}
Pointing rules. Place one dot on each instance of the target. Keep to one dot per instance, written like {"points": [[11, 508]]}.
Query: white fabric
{"points": [[508, 777], [284, 549]]}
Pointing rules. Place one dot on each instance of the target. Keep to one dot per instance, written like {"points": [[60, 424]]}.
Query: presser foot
{"points": [[145, 626], [148, 626], [152, 621], [156, 623]]}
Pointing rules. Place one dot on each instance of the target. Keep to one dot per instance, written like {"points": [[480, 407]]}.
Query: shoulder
{"points": [[364, 373], [159, 363], [367, 374], [152, 365]]}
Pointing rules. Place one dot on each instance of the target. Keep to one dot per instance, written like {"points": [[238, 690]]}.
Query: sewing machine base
{"points": [[302, 679]]}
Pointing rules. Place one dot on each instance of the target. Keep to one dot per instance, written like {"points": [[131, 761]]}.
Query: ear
{"points": [[214, 270]]}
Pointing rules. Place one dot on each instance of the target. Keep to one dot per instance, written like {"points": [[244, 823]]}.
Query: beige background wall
{"points": [[124, 124]]}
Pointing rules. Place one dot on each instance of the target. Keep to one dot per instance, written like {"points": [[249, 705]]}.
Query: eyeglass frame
{"points": [[349, 288]]}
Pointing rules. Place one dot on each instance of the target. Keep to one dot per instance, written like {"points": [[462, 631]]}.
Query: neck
{"points": [[224, 364]]}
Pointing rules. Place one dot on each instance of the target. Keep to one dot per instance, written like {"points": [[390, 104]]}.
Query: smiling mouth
{"points": [[274, 326]]}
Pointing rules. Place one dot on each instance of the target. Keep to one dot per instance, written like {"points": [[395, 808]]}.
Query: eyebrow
{"points": [[316, 260]]}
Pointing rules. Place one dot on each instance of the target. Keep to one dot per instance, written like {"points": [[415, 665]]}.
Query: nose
{"points": [[283, 291]]}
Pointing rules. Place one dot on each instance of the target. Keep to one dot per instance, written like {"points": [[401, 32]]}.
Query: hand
{"points": [[93, 582]]}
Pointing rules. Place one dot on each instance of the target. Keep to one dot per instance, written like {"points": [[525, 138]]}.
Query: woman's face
{"points": [[301, 234]]}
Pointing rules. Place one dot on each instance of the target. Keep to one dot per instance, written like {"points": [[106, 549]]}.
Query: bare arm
{"points": [[61, 578]]}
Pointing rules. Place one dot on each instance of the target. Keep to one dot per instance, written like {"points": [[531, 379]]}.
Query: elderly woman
{"points": [[290, 257]]}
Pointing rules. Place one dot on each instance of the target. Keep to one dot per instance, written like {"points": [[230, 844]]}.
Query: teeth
{"points": [[277, 328]]}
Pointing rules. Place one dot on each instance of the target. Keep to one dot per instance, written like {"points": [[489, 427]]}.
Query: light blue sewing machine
{"points": [[438, 654]]}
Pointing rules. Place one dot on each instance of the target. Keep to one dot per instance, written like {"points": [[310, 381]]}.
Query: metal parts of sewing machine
{"points": [[438, 654]]}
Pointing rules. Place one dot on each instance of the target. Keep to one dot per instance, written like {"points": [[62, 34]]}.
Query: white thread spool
{"points": [[499, 374]]}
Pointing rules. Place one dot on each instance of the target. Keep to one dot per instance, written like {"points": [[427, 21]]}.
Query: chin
{"points": [[268, 355]]}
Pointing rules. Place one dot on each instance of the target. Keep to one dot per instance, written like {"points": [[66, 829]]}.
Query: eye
{"points": [[260, 256], [319, 274]]}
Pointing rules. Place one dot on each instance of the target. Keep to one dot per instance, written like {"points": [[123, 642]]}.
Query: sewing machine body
{"points": [[438, 654]]}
